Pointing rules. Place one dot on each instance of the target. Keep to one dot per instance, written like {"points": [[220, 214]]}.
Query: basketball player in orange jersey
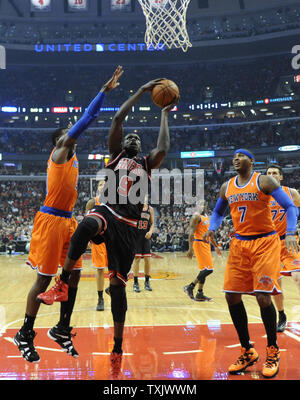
{"points": [[53, 228], [115, 220], [99, 253], [198, 226], [290, 262], [253, 265], [145, 226]]}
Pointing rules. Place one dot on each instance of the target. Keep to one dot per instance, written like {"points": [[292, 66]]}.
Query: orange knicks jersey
{"points": [[250, 207], [62, 184], [279, 213], [202, 227]]}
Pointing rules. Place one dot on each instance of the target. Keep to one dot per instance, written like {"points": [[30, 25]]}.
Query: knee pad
{"points": [[118, 302], [81, 237], [203, 274]]}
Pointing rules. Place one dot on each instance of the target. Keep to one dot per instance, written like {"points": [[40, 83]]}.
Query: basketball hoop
{"points": [[166, 23]]}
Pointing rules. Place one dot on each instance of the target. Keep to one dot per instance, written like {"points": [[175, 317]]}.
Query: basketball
{"points": [[165, 93]]}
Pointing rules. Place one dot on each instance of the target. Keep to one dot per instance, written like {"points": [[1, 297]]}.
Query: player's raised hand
{"points": [[147, 87], [170, 106], [114, 80]]}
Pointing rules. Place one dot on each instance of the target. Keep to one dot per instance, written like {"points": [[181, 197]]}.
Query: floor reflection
{"points": [[191, 352]]}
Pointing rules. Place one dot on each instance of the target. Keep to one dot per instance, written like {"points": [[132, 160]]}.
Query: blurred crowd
{"points": [[232, 80], [229, 136], [20, 200], [224, 26]]}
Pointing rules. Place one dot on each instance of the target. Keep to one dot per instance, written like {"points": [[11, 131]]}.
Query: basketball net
{"points": [[166, 23]]}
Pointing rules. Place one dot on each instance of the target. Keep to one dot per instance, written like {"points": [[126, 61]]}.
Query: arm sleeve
{"points": [[218, 214], [88, 117], [292, 211]]}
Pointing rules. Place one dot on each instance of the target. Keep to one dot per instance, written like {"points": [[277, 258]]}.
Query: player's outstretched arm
{"points": [[115, 136], [158, 154], [72, 133]]}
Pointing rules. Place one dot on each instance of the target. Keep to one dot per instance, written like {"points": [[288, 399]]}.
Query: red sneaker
{"points": [[115, 366], [59, 292]]}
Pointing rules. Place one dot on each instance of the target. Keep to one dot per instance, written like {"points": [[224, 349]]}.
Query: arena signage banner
{"points": [[98, 47]]}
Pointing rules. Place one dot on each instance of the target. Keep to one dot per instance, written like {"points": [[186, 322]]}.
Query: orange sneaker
{"points": [[271, 366], [115, 366], [246, 359], [59, 292]]}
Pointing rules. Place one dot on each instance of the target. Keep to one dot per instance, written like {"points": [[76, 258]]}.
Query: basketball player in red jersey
{"points": [[115, 220], [253, 265], [290, 262], [146, 227], [53, 228]]}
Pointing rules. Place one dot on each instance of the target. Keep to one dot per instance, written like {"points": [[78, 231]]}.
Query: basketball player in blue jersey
{"points": [[115, 222]]}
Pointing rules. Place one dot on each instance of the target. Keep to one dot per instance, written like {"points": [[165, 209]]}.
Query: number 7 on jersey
{"points": [[243, 211]]}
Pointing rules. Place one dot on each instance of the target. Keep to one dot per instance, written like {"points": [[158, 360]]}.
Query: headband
{"points": [[246, 152]]}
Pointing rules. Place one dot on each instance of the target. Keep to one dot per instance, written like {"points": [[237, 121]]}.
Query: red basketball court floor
{"points": [[195, 352]]}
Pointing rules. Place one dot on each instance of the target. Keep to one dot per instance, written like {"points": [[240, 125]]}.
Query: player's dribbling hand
{"points": [[291, 244], [113, 82]]}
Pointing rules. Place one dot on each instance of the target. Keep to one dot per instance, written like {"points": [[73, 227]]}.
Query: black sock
{"points": [[65, 275], [28, 323], [268, 315], [240, 321], [135, 278], [282, 315], [66, 308], [100, 294], [118, 345], [147, 278]]}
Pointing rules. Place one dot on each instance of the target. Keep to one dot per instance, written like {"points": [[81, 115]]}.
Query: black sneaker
{"points": [[24, 341], [136, 287], [189, 291], [202, 297], [281, 325], [100, 305], [147, 286], [63, 337]]}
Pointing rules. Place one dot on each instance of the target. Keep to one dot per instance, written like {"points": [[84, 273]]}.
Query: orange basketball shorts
{"points": [[51, 236], [99, 256], [253, 266], [290, 262], [203, 255]]}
